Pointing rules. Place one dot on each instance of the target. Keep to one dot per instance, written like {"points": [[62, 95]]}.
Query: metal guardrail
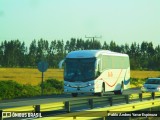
{"points": [[110, 101], [58, 106], [92, 103], [105, 112]]}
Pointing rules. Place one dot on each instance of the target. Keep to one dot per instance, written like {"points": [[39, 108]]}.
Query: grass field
{"points": [[144, 74], [33, 76], [29, 76]]}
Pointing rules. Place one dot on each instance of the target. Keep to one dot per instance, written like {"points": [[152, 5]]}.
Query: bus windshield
{"points": [[81, 70]]}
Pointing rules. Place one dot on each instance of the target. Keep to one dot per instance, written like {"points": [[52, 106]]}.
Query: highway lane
{"points": [[53, 98]]}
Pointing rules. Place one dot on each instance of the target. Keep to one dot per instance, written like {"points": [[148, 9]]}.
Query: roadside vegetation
{"points": [[136, 82], [26, 82], [11, 89]]}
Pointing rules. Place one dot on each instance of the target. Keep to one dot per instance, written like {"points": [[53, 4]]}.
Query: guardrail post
{"points": [[127, 99], [37, 109], [140, 96], [67, 106], [153, 95], [1, 111], [110, 101], [103, 118], [90, 101]]}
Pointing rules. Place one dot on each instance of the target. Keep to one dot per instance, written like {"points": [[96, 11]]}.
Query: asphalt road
{"points": [[53, 98]]}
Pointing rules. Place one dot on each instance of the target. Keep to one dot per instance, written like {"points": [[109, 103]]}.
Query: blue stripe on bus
{"points": [[126, 81]]}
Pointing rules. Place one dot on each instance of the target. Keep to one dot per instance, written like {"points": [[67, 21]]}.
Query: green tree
{"points": [[134, 56], [22, 55], [157, 58], [112, 46], [67, 46], [96, 44], [105, 46], [32, 53], [42, 50], [1, 54], [52, 51], [14, 53], [72, 46], [144, 55], [80, 44]]}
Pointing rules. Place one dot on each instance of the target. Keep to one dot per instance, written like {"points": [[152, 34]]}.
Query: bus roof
{"points": [[92, 53]]}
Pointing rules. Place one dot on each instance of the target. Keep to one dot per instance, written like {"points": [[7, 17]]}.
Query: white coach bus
{"points": [[96, 71]]}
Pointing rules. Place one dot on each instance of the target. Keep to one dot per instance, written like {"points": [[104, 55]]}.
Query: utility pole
{"points": [[93, 38]]}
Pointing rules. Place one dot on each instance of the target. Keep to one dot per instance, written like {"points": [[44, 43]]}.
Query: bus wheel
{"points": [[102, 92], [119, 92], [74, 94]]}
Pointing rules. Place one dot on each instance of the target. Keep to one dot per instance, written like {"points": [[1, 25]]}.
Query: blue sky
{"points": [[123, 21]]}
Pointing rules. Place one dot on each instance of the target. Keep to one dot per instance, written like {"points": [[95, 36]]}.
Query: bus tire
{"points": [[119, 92], [102, 92], [74, 94]]}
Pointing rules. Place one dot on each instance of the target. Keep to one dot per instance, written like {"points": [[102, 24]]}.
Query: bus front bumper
{"points": [[89, 89]]}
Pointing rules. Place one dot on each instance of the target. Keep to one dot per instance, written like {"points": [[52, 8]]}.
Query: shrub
{"points": [[10, 89], [52, 86], [137, 82]]}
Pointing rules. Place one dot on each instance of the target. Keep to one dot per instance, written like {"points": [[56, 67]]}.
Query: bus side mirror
{"points": [[97, 64], [61, 63]]}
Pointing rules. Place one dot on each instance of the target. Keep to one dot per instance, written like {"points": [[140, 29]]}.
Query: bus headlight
{"points": [[92, 89], [89, 84]]}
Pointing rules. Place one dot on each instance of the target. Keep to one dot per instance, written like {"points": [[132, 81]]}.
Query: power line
{"points": [[93, 38]]}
